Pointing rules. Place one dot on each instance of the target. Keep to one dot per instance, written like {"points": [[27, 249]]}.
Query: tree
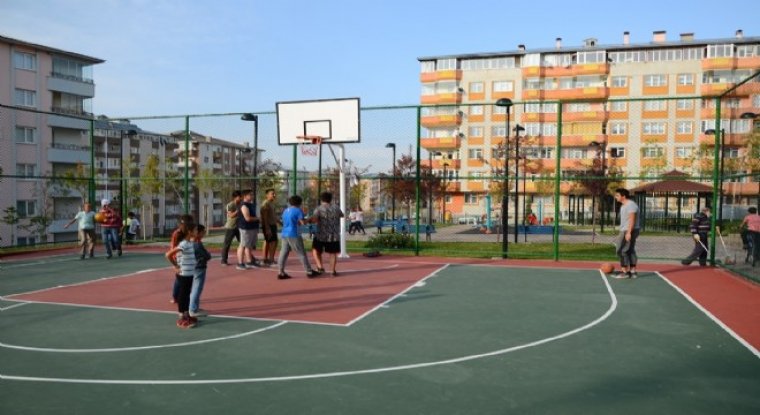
{"points": [[11, 218], [404, 185], [76, 180], [205, 180]]}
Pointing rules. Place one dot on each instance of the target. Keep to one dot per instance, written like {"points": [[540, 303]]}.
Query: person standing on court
{"points": [[202, 256], [110, 228], [327, 239], [184, 260], [700, 228], [86, 219], [625, 242], [185, 222], [248, 224], [292, 218], [230, 227], [269, 226]]}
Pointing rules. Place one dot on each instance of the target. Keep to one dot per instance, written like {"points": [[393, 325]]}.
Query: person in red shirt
{"points": [[110, 227]]}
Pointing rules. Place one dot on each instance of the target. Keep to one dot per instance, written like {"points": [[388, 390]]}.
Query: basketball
{"points": [[99, 217], [607, 268]]}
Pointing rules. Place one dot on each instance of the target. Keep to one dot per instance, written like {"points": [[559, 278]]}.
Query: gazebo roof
{"points": [[673, 183]]}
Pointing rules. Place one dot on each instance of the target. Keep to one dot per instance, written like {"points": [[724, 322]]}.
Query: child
{"points": [[202, 256], [291, 238], [183, 258], [177, 236], [133, 226]]}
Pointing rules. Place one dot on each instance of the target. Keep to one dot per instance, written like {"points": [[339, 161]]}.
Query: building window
{"points": [[617, 152], [686, 79], [25, 240], [503, 86], [651, 152], [476, 110], [427, 66], [655, 105], [498, 130], [475, 153], [575, 153], [655, 80], [756, 100], [683, 152], [617, 128], [720, 51], [618, 106], [446, 64], [24, 135], [476, 87], [22, 60], [475, 132], [597, 56], [25, 170], [470, 198], [619, 81], [653, 128], [26, 208], [684, 104], [684, 127], [25, 98]]}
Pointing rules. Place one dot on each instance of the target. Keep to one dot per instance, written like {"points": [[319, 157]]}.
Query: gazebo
{"points": [[673, 186]]}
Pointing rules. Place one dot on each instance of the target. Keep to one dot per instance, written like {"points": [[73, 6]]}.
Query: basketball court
{"points": [[388, 335]]}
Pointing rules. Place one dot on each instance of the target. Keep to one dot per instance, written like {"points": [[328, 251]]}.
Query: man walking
{"points": [[700, 227], [625, 242], [110, 228], [230, 227], [86, 219], [327, 238], [248, 224]]}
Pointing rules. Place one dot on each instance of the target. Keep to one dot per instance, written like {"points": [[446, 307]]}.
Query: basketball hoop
{"points": [[310, 145]]}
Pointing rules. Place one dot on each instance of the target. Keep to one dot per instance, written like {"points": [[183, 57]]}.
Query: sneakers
{"points": [[321, 270], [685, 262], [313, 274], [199, 313], [241, 267], [81, 257], [224, 263], [283, 276], [621, 275], [119, 252], [254, 263], [335, 273], [187, 322]]}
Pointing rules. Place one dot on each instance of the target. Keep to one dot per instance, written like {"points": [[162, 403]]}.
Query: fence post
{"points": [[557, 182], [717, 181], [187, 165], [417, 186]]}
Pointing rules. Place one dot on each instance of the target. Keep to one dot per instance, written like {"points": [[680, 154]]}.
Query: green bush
{"points": [[390, 241]]}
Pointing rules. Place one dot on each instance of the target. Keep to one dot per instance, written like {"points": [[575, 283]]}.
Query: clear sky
{"points": [[192, 56]]}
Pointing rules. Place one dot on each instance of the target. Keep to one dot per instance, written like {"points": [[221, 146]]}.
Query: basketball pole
{"points": [[343, 198]]}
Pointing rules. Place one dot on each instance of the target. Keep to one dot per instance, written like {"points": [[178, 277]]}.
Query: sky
{"points": [[173, 57]]}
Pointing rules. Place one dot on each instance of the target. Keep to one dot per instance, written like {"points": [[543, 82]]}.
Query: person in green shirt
{"points": [[86, 219], [269, 221]]}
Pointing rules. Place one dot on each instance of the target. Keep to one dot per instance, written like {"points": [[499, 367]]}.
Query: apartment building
{"points": [[56, 87], [464, 131]]}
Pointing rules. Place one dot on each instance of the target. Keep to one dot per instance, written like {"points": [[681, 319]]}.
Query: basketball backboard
{"points": [[335, 120]]}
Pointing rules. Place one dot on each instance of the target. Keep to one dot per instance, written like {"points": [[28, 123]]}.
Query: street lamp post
{"points": [[443, 199], [392, 146], [507, 104], [255, 119], [518, 128], [122, 191], [241, 159], [721, 141], [603, 148]]}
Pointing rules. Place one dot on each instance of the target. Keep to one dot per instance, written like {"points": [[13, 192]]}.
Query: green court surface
{"points": [[465, 339]]}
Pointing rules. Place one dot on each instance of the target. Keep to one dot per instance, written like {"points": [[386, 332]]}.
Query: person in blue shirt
{"points": [[292, 217]]}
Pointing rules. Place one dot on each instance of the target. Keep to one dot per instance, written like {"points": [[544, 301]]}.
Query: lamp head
{"points": [[249, 117], [518, 128], [710, 132], [390, 145], [504, 102], [749, 116]]}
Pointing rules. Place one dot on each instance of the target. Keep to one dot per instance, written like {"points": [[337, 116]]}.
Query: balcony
{"points": [[443, 98], [728, 139], [449, 75], [442, 120], [744, 90], [453, 164], [443, 143], [591, 92], [71, 85], [718, 63], [68, 153]]}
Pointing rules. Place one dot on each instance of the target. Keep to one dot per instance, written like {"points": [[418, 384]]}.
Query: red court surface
{"points": [[362, 285]]}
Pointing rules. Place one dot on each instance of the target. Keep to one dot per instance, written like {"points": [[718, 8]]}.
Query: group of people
{"points": [[111, 225]]}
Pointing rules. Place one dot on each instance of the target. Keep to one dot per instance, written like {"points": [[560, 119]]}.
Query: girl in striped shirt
{"points": [[184, 259]]}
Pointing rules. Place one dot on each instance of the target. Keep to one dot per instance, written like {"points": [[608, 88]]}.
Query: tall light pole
{"points": [[392, 146], [241, 169], [601, 147], [443, 199], [255, 119], [722, 150], [122, 192], [753, 116], [518, 128], [507, 104]]}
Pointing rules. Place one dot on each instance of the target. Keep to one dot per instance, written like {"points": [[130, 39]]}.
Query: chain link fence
{"points": [[517, 179]]}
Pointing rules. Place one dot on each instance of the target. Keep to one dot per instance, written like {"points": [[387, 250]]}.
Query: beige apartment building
{"points": [[463, 129]]}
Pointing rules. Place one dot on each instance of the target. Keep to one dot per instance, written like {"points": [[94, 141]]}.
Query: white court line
{"points": [[125, 349], [81, 283], [12, 306], [712, 317], [383, 304], [603, 317]]}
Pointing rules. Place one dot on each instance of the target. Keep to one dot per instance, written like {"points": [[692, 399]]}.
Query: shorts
{"points": [[329, 247], [272, 234], [249, 237]]}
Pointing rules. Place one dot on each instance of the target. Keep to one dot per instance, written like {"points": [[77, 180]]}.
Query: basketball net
{"points": [[310, 145]]}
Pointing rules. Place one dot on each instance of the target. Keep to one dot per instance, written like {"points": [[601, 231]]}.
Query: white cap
{"points": [[105, 202]]}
